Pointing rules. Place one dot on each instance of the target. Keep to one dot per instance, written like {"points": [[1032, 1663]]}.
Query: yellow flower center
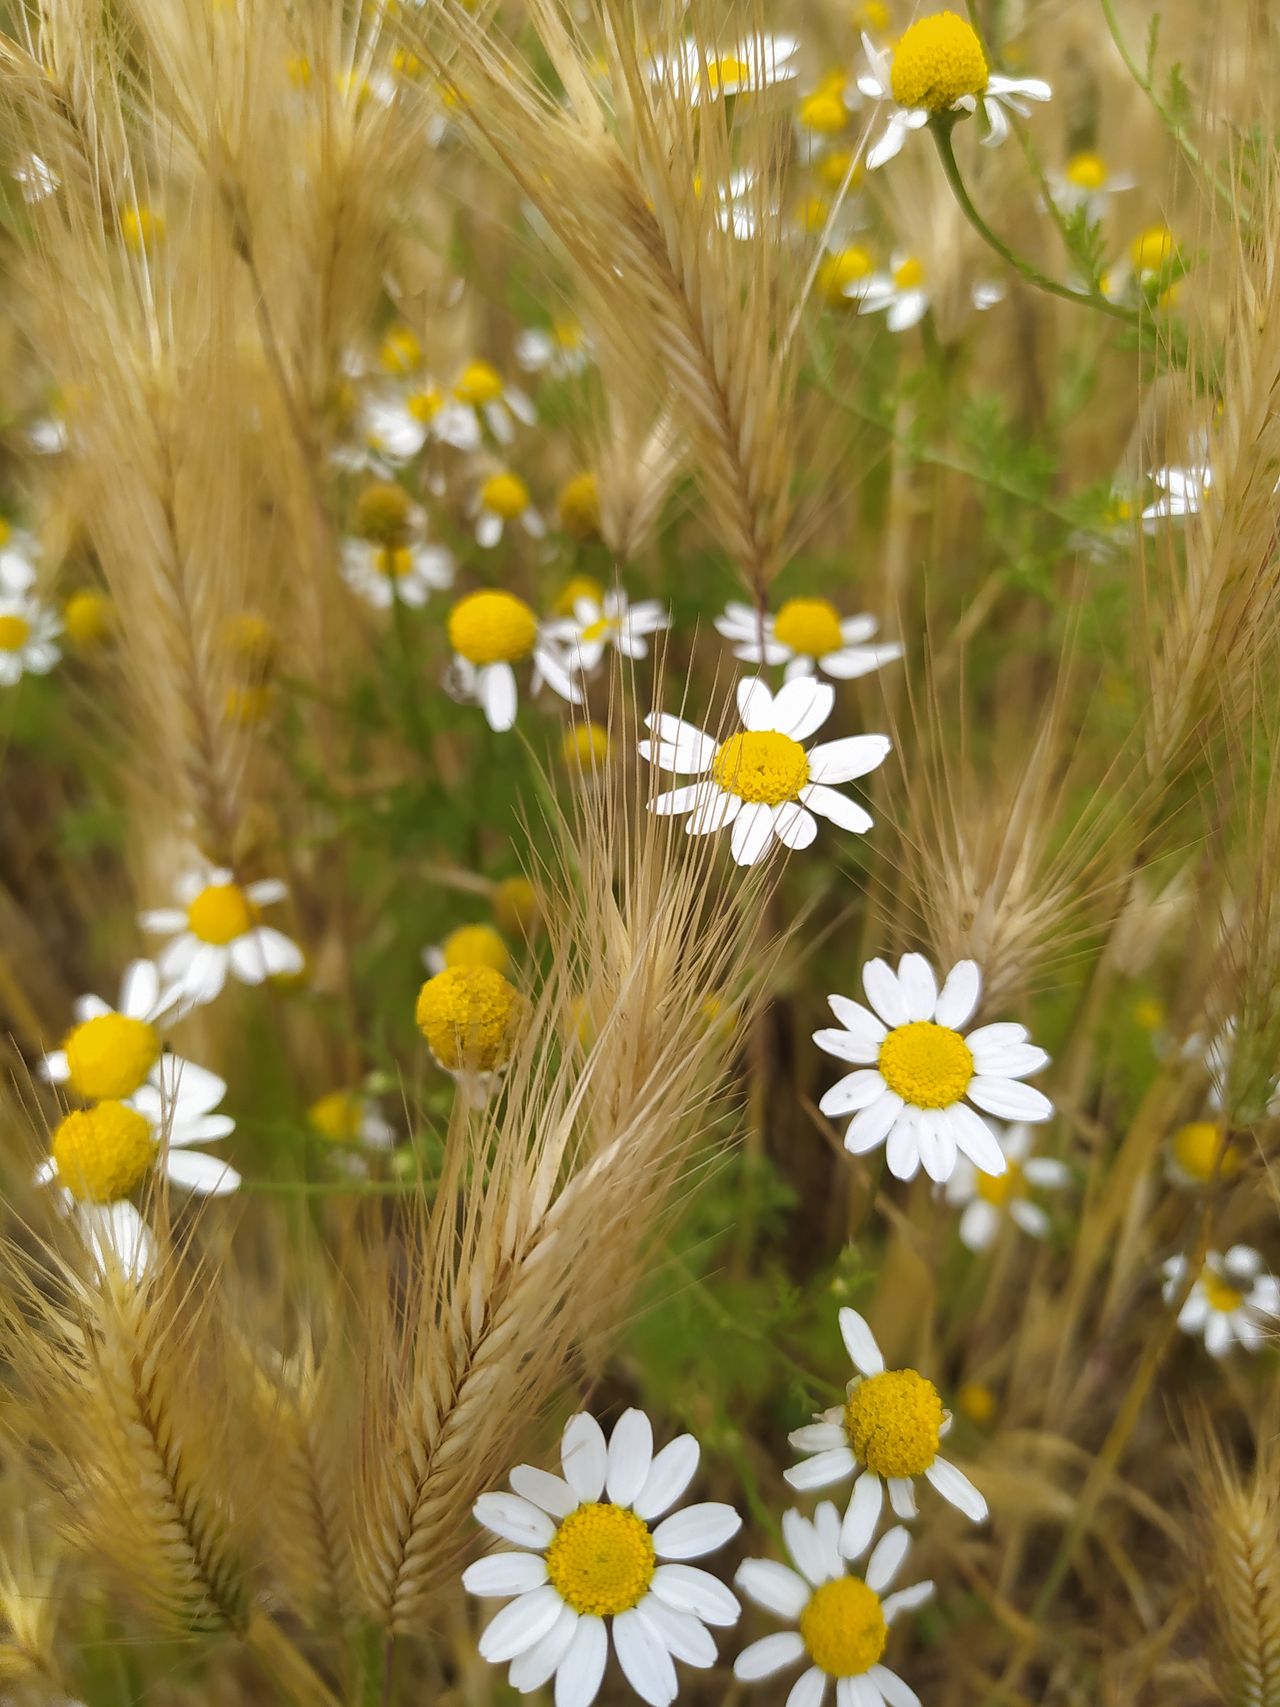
{"points": [[824, 112], [585, 746], [141, 227], [809, 626], [579, 509], [575, 588], [1087, 171], [248, 639], [87, 617], [843, 1627], [382, 513], [727, 74], [515, 903], [337, 1117], [480, 383], [601, 1560], [506, 495], [492, 628], [873, 16], [1220, 1293], [1151, 249], [894, 1421], [221, 913], [1196, 1147], [597, 630], [811, 215], [15, 631], [393, 563], [567, 335], [976, 1401], [833, 169], [998, 1189], [110, 1055], [471, 1016], [761, 766], [938, 60], [401, 351], [425, 405], [928, 1065], [103, 1153], [909, 274], [847, 267], [475, 945]]}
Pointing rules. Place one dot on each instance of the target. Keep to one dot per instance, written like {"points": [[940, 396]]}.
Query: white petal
{"points": [[139, 989], [891, 1686], [860, 1022], [582, 1669], [684, 1636], [843, 761], [995, 1036], [873, 1125], [531, 1669], [806, 1549], [902, 1497], [977, 1141], [918, 985], [817, 1437], [794, 827], [979, 1225], [715, 810], [860, 1343], [549, 1493], [884, 993], [936, 1145], [752, 833], [697, 1530], [683, 799], [755, 704], [690, 1589], [630, 1455], [854, 1091], [862, 1515], [810, 1687], [956, 1487], [960, 995], [1030, 1217], [695, 749], [521, 1624], [644, 1659], [902, 1152], [1014, 1061], [208, 1176], [496, 690], [822, 1470], [669, 1475], [857, 1047], [514, 1519], [837, 808], [505, 1574], [584, 1457], [803, 705], [906, 1599], [775, 1587], [770, 1654], [1010, 1099], [886, 1559]]}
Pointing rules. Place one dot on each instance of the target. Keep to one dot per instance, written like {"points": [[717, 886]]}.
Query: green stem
{"points": [[941, 128]]}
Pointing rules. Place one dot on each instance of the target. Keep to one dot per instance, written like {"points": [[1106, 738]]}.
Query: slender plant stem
{"points": [[1084, 298]]}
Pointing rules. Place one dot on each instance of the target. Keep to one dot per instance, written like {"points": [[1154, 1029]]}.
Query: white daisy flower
{"points": [[885, 1435], [902, 293], [101, 1155], [1232, 1301], [764, 781], [28, 631], [490, 632], [596, 1561], [381, 574], [561, 349], [806, 635], [17, 560], [504, 498], [396, 425], [938, 66], [110, 1052], [480, 389], [989, 1199], [216, 931], [597, 624], [1182, 492], [755, 63], [841, 1620], [1200, 1153], [1086, 181], [914, 1070]]}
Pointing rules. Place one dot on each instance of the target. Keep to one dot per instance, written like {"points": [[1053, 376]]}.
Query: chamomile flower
{"points": [[841, 1620], [990, 1199], [698, 74], [472, 1018], [845, 274], [492, 403], [502, 499], [396, 425], [1200, 1152], [562, 349], [806, 635], [1086, 181], [885, 1435], [490, 632], [914, 1070], [468, 945], [603, 1562], [111, 1052], [28, 634], [763, 781], [350, 1117], [383, 574], [1182, 492], [597, 624], [1233, 1300], [902, 294], [216, 932], [938, 66]]}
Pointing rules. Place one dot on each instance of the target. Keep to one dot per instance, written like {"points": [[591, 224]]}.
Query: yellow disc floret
{"points": [[1152, 249], [1221, 1294], [141, 227], [575, 588], [976, 1401], [824, 112], [392, 562], [401, 351], [938, 60], [249, 641], [578, 506], [893, 1422], [478, 384], [110, 1055], [220, 914], [1086, 171], [492, 628], [909, 273], [843, 1627], [515, 903], [601, 1560], [382, 513], [88, 619], [15, 631], [840, 271], [337, 1116], [1196, 1151], [761, 766], [471, 1016], [585, 746], [727, 74], [103, 1153], [475, 945], [999, 1189], [506, 495], [810, 627], [928, 1065]]}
